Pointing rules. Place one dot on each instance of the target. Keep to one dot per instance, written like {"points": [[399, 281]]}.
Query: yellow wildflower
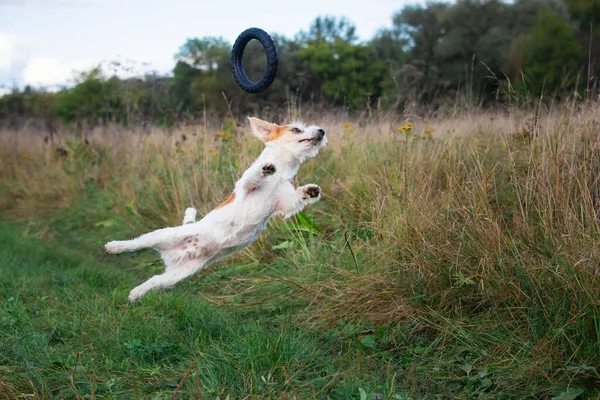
{"points": [[429, 130], [224, 136], [214, 153], [24, 155], [409, 125], [347, 125]]}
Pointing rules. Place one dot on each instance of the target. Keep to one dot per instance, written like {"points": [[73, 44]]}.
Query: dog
{"points": [[264, 190]]}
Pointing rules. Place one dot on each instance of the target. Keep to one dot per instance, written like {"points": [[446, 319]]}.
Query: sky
{"points": [[44, 42]]}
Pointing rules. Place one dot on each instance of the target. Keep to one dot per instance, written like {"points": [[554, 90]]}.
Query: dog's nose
{"points": [[321, 133]]}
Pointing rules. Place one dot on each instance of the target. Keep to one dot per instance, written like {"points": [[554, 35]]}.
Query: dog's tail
{"points": [[190, 216]]}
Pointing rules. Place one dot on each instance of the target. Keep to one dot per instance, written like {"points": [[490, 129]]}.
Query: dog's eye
{"points": [[296, 130]]}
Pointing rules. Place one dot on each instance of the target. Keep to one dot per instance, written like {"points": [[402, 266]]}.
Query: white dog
{"points": [[263, 191]]}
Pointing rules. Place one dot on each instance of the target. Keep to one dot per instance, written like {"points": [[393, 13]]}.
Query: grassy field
{"points": [[456, 257]]}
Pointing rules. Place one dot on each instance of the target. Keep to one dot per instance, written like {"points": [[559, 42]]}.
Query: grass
{"points": [[456, 258], [66, 333]]}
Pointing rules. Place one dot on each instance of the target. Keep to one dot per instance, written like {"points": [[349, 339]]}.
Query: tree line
{"points": [[482, 52]]}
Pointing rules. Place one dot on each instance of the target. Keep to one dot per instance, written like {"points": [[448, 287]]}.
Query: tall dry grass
{"points": [[481, 229]]}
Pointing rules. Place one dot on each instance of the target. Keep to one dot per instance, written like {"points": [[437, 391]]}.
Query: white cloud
{"points": [[53, 74], [46, 71], [8, 44]]}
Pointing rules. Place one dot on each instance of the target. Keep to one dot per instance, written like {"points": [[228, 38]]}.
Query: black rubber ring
{"points": [[237, 53]]}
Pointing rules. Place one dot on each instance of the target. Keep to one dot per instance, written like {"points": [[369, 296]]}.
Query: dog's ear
{"points": [[261, 129]]}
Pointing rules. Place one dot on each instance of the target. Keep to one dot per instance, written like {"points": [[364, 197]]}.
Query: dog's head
{"points": [[301, 140]]}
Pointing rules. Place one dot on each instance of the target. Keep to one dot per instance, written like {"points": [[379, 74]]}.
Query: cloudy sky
{"points": [[43, 41]]}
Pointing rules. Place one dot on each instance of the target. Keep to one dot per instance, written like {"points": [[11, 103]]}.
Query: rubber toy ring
{"points": [[237, 53]]}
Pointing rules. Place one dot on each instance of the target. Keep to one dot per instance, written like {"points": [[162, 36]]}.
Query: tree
{"points": [[585, 11], [199, 63], [587, 14], [330, 29], [388, 47], [553, 54], [207, 54], [183, 76], [476, 38], [343, 67], [88, 101], [421, 28]]}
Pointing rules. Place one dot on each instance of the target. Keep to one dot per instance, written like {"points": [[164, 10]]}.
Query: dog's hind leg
{"points": [[158, 239], [189, 216], [169, 278]]}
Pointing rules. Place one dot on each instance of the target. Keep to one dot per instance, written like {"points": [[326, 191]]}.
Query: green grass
{"points": [[66, 330], [455, 265]]}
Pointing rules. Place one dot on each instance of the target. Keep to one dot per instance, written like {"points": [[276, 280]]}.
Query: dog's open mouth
{"points": [[310, 140]]}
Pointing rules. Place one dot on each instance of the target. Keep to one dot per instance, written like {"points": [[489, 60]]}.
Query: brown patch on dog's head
{"points": [[276, 132]]}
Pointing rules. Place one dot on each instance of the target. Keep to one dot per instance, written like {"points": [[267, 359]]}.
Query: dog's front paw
{"points": [[268, 169], [311, 192]]}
